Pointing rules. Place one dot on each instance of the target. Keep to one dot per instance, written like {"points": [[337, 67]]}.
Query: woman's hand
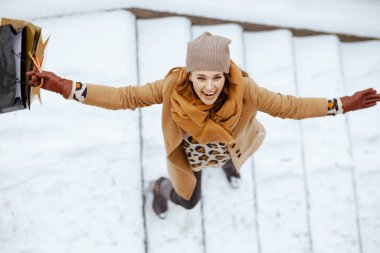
{"points": [[360, 100], [52, 82]]}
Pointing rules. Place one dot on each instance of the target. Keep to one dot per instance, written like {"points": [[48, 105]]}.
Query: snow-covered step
{"points": [[280, 189], [162, 46], [228, 213], [70, 172], [326, 149], [361, 69], [231, 31]]}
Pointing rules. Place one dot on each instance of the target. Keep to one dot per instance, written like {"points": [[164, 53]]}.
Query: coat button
{"points": [[237, 151], [239, 155], [233, 145]]}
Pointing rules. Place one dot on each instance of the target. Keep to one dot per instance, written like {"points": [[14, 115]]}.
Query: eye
{"points": [[201, 78], [217, 77]]}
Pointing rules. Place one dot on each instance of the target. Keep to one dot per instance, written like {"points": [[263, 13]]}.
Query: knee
{"points": [[190, 204], [187, 204]]}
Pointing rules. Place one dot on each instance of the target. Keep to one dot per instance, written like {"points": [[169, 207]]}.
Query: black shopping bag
{"points": [[13, 89], [22, 49]]}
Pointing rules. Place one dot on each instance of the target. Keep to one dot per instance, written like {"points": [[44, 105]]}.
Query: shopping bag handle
{"points": [[37, 65]]}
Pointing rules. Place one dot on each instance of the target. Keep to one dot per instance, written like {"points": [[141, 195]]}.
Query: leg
{"points": [[189, 204], [232, 175], [163, 191]]}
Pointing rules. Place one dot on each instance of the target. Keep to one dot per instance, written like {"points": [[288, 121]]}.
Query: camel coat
{"points": [[249, 133]]}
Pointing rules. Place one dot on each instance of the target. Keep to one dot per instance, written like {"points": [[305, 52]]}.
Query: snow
{"points": [[65, 167], [156, 59], [361, 68], [359, 17], [282, 214], [328, 163], [75, 178]]}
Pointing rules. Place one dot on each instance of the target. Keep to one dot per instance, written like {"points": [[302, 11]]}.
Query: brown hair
{"points": [[185, 88]]}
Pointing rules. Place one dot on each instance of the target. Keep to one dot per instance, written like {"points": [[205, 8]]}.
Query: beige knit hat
{"points": [[208, 52]]}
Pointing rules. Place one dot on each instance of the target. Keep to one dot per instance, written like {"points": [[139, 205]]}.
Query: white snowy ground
{"points": [[360, 17], [71, 174]]}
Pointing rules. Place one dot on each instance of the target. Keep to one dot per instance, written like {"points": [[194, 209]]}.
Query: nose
{"points": [[209, 84]]}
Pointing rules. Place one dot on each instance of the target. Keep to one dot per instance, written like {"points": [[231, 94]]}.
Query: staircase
{"points": [[312, 187]]}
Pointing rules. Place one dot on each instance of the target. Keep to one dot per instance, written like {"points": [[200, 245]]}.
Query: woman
{"points": [[208, 114]]}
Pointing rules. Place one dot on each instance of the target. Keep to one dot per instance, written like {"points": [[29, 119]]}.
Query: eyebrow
{"points": [[205, 75]]}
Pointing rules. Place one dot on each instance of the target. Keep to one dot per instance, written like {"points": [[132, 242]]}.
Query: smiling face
{"points": [[207, 85]]}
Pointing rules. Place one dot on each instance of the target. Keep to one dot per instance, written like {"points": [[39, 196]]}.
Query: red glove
{"points": [[360, 100], [52, 82]]}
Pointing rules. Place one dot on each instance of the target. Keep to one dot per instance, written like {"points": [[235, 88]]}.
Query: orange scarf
{"points": [[192, 115]]}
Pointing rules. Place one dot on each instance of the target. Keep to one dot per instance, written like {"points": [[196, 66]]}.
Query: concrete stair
{"points": [[220, 201], [334, 202], [360, 63], [327, 160], [312, 187], [278, 166], [160, 50]]}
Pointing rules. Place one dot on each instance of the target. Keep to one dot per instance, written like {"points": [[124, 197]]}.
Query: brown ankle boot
{"points": [[232, 175], [160, 203]]}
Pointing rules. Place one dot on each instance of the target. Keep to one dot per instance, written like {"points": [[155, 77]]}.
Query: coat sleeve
{"points": [[128, 97], [286, 106]]}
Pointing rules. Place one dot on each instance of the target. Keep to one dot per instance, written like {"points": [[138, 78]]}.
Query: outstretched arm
{"points": [[287, 106], [129, 97]]}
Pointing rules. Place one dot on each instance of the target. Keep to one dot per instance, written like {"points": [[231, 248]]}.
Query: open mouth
{"points": [[209, 95]]}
